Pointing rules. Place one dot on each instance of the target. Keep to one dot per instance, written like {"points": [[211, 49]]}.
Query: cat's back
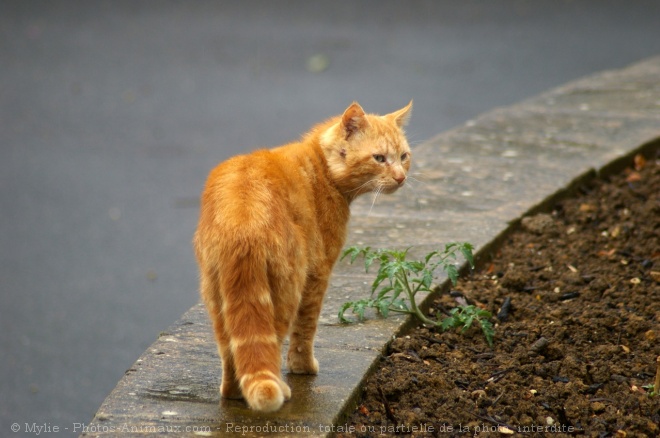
{"points": [[242, 178], [256, 191]]}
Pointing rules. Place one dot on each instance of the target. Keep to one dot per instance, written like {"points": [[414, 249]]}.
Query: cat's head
{"points": [[367, 152]]}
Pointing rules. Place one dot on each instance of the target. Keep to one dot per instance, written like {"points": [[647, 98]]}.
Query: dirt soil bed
{"points": [[579, 343]]}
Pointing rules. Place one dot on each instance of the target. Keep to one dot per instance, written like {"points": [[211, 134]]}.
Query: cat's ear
{"points": [[353, 120], [402, 116]]}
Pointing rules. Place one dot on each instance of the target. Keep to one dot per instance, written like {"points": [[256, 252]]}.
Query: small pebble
{"points": [[538, 346]]}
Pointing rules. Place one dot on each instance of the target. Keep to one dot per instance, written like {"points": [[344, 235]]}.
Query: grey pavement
{"points": [[112, 114]]}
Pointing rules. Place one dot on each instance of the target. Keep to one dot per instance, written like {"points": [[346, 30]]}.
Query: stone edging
{"points": [[474, 181]]}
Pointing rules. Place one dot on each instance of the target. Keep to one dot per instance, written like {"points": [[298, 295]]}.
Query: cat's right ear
{"points": [[401, 116], [353, 120]]}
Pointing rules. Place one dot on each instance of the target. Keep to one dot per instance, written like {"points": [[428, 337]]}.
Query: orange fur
{"points": [[271, 227]]}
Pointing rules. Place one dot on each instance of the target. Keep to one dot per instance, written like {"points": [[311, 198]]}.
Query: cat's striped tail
{"points": [[249, 320]]}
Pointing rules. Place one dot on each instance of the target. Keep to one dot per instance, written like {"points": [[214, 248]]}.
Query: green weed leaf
{"points": [[398, 280], [344, 307]]}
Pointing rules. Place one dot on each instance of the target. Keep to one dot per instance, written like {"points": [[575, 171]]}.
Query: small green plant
{"points": [[399, 280], [654, 388], [650, 389], [464, 316]]}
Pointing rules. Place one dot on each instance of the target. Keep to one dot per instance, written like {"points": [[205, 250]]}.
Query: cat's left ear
{"points": [[353, 119], [402, 116]]}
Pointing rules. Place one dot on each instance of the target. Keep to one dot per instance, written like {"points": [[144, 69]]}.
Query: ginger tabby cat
{"points": [[271, 227]]}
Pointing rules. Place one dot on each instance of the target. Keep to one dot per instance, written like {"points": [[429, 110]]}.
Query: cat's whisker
{"points": [[363, 185], [412, 188], [420, 174], [377, 192], [413, 180]]}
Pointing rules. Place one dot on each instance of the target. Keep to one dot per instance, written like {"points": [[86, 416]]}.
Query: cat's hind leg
{"points": [[209, 287], [229, 387], [300, 357]]}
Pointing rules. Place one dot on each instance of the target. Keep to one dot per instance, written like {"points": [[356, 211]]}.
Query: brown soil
{"points": [[577, 347]]}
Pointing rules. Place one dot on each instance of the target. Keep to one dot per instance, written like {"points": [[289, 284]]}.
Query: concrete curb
{"points": [[473, 183]]}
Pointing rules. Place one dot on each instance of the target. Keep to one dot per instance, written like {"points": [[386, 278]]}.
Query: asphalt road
{"points": [[112, 114]]}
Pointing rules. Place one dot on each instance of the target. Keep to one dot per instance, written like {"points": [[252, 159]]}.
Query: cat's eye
{"points": [[379, 157], [404, 156]]}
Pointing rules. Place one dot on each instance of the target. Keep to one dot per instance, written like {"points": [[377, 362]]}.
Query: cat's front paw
{"points": [[302, 365]]}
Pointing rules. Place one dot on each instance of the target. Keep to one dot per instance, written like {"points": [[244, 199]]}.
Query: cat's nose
{"points": [[399, 179]]}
